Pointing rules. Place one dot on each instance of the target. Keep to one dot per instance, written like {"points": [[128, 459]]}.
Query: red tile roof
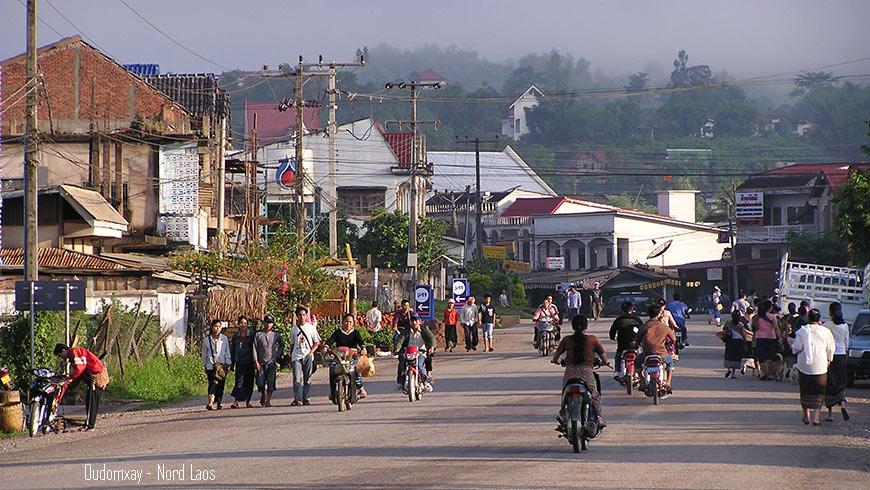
{"points": [[274, 125], [429, 75], [835, 173], [56, 257], [527, 206], [401, 144]]}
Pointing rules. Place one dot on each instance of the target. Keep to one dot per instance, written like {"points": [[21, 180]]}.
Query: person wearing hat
{"points": [[421, 338], [450, 317], [716, 299], [268, 348], [597, 301]]}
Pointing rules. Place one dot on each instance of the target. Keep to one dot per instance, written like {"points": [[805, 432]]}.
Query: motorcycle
{"points": [[45, 393], [652, 379], [629, 379], [414, 385], [546, 337], [578, 420], [343, 368], [5, 379]]}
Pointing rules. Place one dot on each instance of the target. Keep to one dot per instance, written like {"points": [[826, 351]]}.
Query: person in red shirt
{"points": [[84, 365], [450, 318]]}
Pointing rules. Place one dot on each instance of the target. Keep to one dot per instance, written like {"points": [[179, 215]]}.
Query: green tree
{"points": [[347, 232], [689, 76], [828, 249], [386, 239], [852, 221], [807, 82], [637, 82]]}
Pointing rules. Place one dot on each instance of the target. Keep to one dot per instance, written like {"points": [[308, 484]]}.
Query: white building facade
{"points": [[514, 126]]}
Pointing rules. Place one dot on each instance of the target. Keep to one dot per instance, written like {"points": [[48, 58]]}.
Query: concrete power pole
{"points": [[300, 168], [31, 148], [478, 205], [417, 159], [333, 188]]}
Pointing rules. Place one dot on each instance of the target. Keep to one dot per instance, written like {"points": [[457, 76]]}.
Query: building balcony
{"points": [[507, 221], [772, 234]]}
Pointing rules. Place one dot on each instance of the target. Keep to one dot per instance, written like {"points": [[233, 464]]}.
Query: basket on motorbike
{"points": [[342, 361]]}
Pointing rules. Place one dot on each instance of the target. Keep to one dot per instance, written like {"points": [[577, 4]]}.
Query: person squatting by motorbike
{"points": [[580, 350], [421, 338], [87, 367]]}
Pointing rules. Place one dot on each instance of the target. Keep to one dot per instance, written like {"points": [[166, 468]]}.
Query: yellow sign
{"points": [[670, 282], [517, 266], [494, 252], [509, 246]]}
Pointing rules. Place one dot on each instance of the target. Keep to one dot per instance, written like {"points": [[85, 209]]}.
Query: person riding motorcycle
{"points": [[546, 314], [652, 337], [346, 336], [623, 331], [580, 350], [421, 338]]}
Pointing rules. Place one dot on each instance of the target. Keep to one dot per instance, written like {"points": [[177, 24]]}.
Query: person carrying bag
{"points": [[216, 359]]}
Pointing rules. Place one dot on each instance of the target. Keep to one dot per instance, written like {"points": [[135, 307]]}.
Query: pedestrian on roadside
{"points": [[753, 299], [835, 391], [469, 316], [268, 349], [740, 304], [560, 299], [487, 322], [305, 341], [814, 345], [765, 332], [216, 360], [503, 299], [716, 300], [450, 318], [87, 367], [242, 354], [374, 317], [574, 301], [749, 361], [597, 301], [734, 334]]}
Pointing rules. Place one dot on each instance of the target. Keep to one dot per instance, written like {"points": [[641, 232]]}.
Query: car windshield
{"points": [[862, 325]]}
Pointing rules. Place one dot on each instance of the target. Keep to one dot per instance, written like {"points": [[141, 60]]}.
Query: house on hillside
{"points": [[429, 76], [514, 126], [106, 129], [588, 161]]}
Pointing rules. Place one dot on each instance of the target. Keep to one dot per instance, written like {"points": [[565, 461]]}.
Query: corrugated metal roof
{"points": [[199, 93], [453, 170], [57, 257], [143, 69]]}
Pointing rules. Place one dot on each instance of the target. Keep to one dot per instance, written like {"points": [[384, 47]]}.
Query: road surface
{"points": [[489, 424]]}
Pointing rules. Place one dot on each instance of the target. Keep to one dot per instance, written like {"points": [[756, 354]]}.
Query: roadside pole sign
{"points": [[494, 252], [460, 292], [36, 296], [424, 302], [555, 263]]}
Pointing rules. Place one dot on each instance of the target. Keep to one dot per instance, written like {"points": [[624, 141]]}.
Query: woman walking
{"points": [[814, 346], [765, 329], [735, 344], [216, 359], [835, 392]]}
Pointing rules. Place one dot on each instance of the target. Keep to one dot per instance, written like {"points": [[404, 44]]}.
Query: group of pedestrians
{"points": [[761, 338], [255, 357], [478, 321]]}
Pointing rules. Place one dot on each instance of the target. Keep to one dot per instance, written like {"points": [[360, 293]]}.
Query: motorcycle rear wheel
{"points": [[655, 395], [35, 422], [628, 382]]}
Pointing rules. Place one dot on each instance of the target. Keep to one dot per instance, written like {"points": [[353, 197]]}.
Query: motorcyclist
{"points": [[652, 337], [346, 336], [680, 313], [421, 338], [546, 314], [580, 350], [623, 331]]}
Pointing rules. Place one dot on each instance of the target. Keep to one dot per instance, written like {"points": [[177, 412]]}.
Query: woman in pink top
{"points": [[765, 328]]}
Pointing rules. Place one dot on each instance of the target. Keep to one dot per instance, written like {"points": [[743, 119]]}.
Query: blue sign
{"points": [[285, 175], [460, 292], [424, 302]]}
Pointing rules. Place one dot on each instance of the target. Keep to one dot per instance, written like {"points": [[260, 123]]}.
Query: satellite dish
{"points": [[659, 250]]}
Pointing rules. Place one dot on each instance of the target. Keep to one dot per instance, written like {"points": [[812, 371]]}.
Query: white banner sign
{"points": [[749, 207], [555, 263]]}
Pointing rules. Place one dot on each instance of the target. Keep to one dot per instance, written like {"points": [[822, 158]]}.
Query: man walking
{"points": [[268, 348], [487, 322], [450, 318], [84, 365], [561, 302], [597, 301], [242, 355], [374, 318], [305, 341], [574, 302], [470, 317]]}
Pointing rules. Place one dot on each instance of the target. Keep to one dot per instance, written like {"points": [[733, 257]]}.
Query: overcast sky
{"points": [[746, 38]]}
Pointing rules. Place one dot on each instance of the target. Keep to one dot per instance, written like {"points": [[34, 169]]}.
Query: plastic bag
{"points": [[365, 366]]}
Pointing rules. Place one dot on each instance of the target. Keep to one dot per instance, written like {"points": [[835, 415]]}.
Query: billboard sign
{"points": [[749, 207], [555, 263], [494, 252], [460, 292], [424, 302], [281, 175]]}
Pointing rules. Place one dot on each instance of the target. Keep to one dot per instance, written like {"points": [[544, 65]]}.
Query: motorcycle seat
{"points": [[575, 381]]}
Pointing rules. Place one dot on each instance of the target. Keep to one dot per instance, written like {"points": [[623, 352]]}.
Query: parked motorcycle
{"points": [[5, 379], [629, 378], [343, 369], [414, 385], [652, 379], [578, 420], [546, 337], [45, 393]]}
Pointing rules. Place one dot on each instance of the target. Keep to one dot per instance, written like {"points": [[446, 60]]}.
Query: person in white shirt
{"points": [[814, 347], [374, 318], [574, 302], [305, 341], [835, 390], [469, 316]]}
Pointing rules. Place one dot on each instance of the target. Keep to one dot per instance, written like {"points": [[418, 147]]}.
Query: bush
{"points": [[15, 344], [155, 381]]}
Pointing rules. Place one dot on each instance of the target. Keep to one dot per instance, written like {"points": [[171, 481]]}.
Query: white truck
{"points": [[821, 285]]}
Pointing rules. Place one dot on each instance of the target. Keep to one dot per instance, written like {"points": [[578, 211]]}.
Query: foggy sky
{"points": [[746, 38]]}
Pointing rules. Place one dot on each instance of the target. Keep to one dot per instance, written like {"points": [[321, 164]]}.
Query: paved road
{"points": [[488, 425]]}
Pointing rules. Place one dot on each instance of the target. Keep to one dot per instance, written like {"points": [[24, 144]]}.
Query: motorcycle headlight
{"points": [[410, 357]]}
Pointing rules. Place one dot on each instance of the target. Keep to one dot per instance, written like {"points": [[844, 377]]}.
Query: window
{"points": [[768, 253], [776, 216], [360, 201], [517, 125]]}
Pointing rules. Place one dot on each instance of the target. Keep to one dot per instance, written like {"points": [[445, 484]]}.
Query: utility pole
{"points": [[300, 104], [478, 204], [465, 236], [31, 148], [417, 154], [222, 186], [731, 226]]}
